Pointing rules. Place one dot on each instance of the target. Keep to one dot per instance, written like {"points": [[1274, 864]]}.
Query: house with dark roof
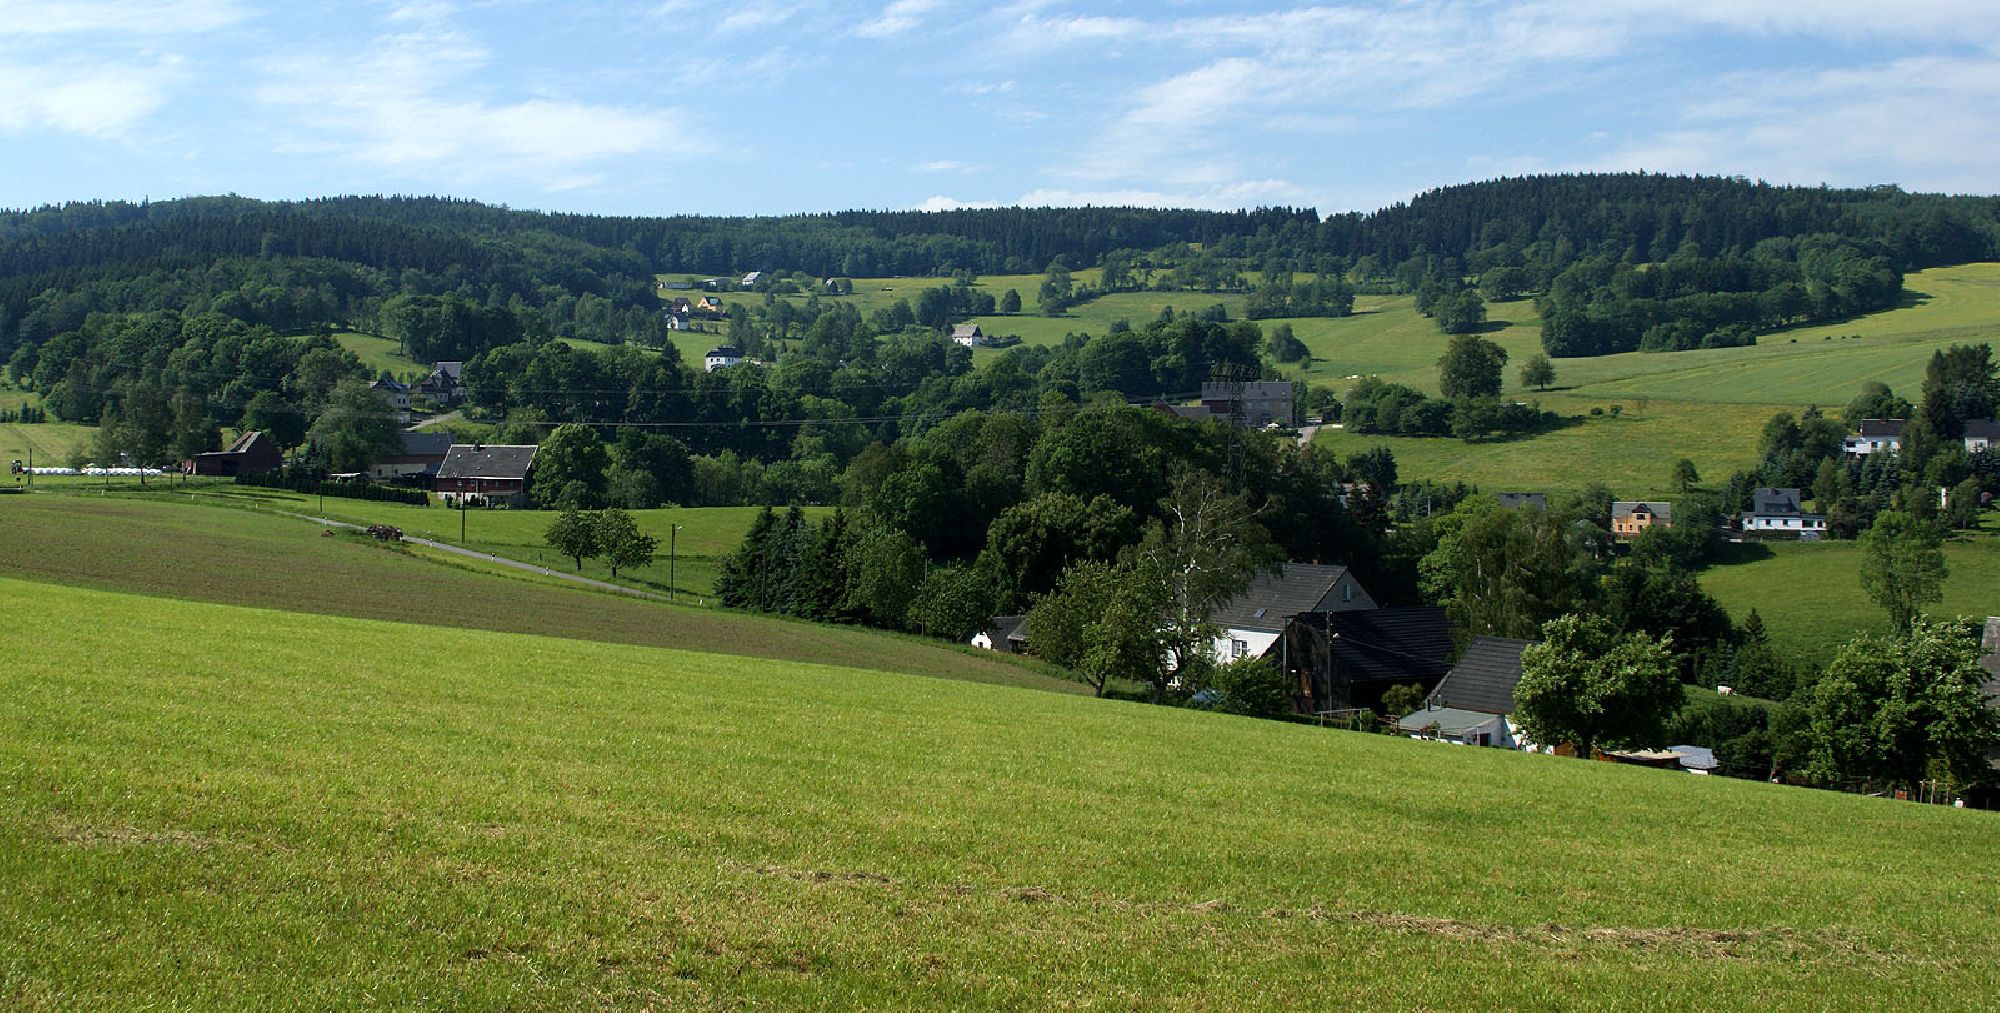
{"points": [[1251, 622], [968, 335], [1778, 511], [485, 474], [1874, 436], [1004, 633], [1343, 661], [723, 357], [1630, 519], [445, 384], [1250, 405], [252, 453], [395, 393], [1981, 434], [1519, 500], [416, 461], [1471, 704]]}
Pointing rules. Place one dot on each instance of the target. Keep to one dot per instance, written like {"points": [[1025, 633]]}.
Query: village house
{"points": [[1342, 662], [252, 453], [1522, 500], [1874, 436], [394, 393], [1778, 511], [750, 279], [1629, 519], [1981, 434], [1473, 702], [1004, 633], [416, 462], [722, 357], [708, 306], [1252, 621], [445, 384], [1251, 405], [968, 335], [485, 474]]}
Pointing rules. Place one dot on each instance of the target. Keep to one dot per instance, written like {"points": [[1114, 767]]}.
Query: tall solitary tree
{"points": [[574, 534], [1471, 367], [1902, 566], [1538, 372]]}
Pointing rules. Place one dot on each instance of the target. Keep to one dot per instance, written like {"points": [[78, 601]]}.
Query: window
{"points": [[1238, 649], [1346, 591]]}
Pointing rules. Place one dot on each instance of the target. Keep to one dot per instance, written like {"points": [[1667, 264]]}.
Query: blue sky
{"points": [[673, 106]]}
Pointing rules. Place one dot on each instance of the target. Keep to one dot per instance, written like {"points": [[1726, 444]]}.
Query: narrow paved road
{"points": [[1306, 434], [459, 550]]}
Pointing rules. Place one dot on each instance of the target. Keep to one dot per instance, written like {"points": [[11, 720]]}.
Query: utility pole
{"points": [[673, 553]]}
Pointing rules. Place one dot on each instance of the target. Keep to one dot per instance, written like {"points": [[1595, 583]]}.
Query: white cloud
{"points": [[748, 19], [943, 166], [413, 101], [943, 203], [102, 100], [26, 18], [897, 18]]}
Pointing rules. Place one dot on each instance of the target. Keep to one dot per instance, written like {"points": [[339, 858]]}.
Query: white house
{"points": [[724, 356], [1981, 434], [1254, 620], [1777, 511], [750, 279], [968, 335], [1473, 703], [1875, 436], [396, 393]]}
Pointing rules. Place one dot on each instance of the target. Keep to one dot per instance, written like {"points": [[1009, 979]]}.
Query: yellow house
{"points": [[1629, 518]]}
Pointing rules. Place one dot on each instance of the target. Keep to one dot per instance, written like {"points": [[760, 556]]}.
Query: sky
{"points": [[754, 107]]}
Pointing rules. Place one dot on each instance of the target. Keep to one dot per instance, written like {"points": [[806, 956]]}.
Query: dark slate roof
{"points": [[1982, 429], [1695, 757], [450, 368], [1261, 390], [725, 352], [390, 383], [1485, 676], [1387, 645], [1626, 508], [476, 460], [1513, 500], [1881, 427], [417, 443], [1273, 598], [1779, 502], [1009, 628]]}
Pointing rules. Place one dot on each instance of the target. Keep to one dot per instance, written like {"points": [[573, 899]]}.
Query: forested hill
{"points": [[1751, 256]]}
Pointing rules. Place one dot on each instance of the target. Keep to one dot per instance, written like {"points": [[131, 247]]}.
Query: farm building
{"points": [[1343, 661], [253, 453], [416, 462], [479, 474], [723, 357], [1004, 633], [968, 335], [1251, 622], [1472, 703]]}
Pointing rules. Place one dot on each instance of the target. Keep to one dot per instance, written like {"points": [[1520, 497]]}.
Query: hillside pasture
{"points": [[52, 442], [241, 807], [1809, 593], [180, 549]]}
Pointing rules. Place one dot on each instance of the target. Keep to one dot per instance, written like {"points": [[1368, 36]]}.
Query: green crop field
{"points": [[1809, 593], [239, 807], [177, 548]]}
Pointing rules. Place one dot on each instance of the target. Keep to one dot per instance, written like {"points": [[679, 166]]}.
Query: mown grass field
{"points": [[1809, 593], [52, 442], [250, 808], [181, 549], [380, 355]]}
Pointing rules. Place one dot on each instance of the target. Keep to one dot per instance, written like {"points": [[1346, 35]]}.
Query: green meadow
{"points": [[244, 807], [177, 548], [1809, 593], [52, 442]]}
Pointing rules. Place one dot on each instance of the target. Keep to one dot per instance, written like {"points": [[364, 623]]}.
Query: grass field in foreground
{"points": [[1809, 593], [235, 807], [206, 553]]}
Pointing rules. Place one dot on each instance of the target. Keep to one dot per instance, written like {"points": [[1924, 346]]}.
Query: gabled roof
{"points": [[417, 443], [1485, 676], [245, 441], [1013, 628], [967, 331], [1516, 500], [1387, 645], [1622, 509], [725, 352], [1881, 428], [488, 460], [1783, 502], [449, 368], [390, 383], [1273, 598], [1982, 429]]}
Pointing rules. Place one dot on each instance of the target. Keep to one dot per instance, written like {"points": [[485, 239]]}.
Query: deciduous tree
{"points": [[1902, 566], [1590, 686], [1898, 707], [574, 534]]}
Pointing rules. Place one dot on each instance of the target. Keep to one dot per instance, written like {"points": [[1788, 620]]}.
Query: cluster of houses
{"points": [[444, 385], [682, 312], [463, 474], [1885, 436], [1342, 653], [1256, 405], [1773, 513]]}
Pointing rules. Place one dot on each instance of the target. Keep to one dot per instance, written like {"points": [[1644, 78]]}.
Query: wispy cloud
{"points": [[105, 100], [414, 99], [897, 18], [943, 166], [123, 18]]}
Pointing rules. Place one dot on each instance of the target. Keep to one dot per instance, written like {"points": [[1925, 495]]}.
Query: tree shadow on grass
{"points": [[1741, 553], [1551, 423]]}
